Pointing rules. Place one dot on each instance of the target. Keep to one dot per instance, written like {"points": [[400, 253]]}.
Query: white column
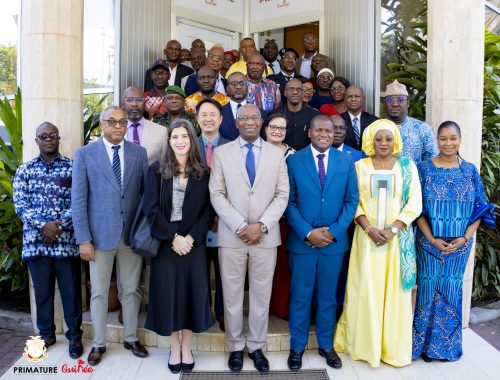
{"points": [[455, 83], [51, 61]]}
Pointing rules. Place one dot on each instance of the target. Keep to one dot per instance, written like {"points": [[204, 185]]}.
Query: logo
{"points": [[35, 350], [80, 367]]}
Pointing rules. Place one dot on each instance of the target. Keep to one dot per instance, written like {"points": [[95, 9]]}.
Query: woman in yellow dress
{"points": [[376, 323]]}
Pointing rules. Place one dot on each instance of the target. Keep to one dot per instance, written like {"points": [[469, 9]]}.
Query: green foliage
{"points": [[11, 266], [91, 111], [8, 61]]}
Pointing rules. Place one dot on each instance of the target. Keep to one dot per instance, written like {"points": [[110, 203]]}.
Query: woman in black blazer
{"points": [[178, 290]]}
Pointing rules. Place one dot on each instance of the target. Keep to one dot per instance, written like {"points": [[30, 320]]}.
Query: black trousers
{"points": [[44, 271], [213, 257]]}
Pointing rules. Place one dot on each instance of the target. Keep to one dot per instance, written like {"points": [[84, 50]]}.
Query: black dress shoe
{"points": [[137, 349], [95, 355], [174, 368], [187, 367], [295, 360], [332, 359], [49, 341], [426, 358], [259, 360], [235, 362], [75, 348]]}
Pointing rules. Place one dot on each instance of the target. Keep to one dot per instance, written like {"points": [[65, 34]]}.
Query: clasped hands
{"points": [[182, 244], [381, 237], [51, 231], [319, 237], [250, 234], [447, 248]]}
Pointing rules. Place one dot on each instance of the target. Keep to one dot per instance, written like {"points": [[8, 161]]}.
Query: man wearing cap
{"points": [[418, 137], [322, 94], [270, 54], [215, 60], [160, 74], [288, 59], [206, 78], [174, 102], [297, 114]]}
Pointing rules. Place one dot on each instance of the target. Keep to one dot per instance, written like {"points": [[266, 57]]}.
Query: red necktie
{"points": [[209, 153]]}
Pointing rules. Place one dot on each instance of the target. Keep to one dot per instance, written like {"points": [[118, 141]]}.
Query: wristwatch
{"points": [[395, 230], [263, 228]]}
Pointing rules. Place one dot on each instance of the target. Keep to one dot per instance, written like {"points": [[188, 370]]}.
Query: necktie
{"points": [[135, 133], [237, 109], [288, 77], [250, 163], [209, 153], [116, 164], [356, 129], [271, 67], [321, 170]]}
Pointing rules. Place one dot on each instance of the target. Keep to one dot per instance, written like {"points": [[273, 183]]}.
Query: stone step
{"points": [[278, 337]]}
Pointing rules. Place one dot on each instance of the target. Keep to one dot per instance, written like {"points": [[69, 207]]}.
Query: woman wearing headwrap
{"points": [[376, 321], [454, 203]]}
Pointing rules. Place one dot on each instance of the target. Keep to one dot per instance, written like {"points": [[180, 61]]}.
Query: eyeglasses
{"points": [[325, 78], [52, 136], [161, 73], [216, 58], [394, 99], [337, 88], [310, 39], [308, 90], [236, 83], [112, 122], [133, 100], [289, 58], [275, 128], [294, 89], [248, 118]]}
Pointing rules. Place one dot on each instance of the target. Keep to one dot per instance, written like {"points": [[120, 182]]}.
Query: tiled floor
{"points": [[481, 361]]}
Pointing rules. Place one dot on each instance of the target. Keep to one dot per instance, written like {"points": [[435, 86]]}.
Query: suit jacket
{"points": [[154, 140], [201, 146], [280, 79], [192, 84], [102, 211], [228, 128], [197, 213], [181, 72], [366, 120], [311, 207], [356, 155], [236, 202]]}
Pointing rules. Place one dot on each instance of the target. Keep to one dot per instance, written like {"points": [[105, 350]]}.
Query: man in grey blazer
{"points": [[151, 136], [249, 191], [108, 178]]}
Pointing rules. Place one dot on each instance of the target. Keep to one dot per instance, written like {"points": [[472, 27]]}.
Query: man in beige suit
{"points": [[249, 191], [151, 136]]}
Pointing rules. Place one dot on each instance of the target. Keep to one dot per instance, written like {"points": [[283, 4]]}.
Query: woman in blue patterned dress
{"points": [[454, 203]]}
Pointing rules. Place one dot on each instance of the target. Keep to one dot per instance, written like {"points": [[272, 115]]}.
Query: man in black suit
{"points": [[209, 117], [289, 58], [356, 120], [177, 70]]}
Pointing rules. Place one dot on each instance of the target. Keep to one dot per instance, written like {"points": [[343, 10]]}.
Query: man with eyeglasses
{"points": [[160, 74], [298, 115], [270, 53], [108, 178], [237, 90], [215, 60], [356, 119], [249, 192], [418, 137], [42, 198], [288, 59], [322, 94], [310, 45]]}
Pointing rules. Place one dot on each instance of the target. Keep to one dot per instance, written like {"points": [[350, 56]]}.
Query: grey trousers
{"points": [[128, 268], [233, 264]]}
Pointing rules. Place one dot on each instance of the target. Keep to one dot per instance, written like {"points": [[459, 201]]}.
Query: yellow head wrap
{"points": [[371, 131]]}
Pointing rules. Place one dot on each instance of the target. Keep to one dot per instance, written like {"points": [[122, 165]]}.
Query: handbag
{"points": [[142, 242]]}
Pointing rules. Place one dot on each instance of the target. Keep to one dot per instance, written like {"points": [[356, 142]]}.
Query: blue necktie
{"points": [[356, 129], [321, 170], [116, 164], [250, 164]]}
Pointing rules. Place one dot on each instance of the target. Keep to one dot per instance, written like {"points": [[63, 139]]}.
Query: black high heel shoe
{"points": [[174, 368], [187, 367]]}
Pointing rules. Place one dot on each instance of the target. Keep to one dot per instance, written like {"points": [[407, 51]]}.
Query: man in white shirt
{"points": [[310, 43]]}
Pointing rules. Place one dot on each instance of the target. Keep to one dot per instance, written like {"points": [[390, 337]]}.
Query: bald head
{"points": [[133, 103], [355, 99], [47, 139]]}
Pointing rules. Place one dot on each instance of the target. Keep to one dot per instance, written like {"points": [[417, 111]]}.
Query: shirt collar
{"points": [[140, 122], [57, 157], [316, 152], [310, 59], [215, 141], [109, 145], [341, 148], [257, 143]]}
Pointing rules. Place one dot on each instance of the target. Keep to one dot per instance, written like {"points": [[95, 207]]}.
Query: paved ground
{"points": [[11, 347], [489, 331]]}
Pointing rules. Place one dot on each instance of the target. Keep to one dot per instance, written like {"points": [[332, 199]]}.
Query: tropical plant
{"points": [[92, 108], [12, 267]]}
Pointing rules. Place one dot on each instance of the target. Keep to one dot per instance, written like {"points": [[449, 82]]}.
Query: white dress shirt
{"points": [[173, 72], [325, 159], [305, 66], [234, 106], [110, 152]]}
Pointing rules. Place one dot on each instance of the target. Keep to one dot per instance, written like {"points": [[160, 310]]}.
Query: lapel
{"points": [[128, 158], [103, 162], [238, 159], [310, 166], [201, 147], [264, 157], [145, 134], [329, 172], [189, 185]]}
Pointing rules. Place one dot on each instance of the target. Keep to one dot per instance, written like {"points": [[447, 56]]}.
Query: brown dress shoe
{"points": [[137, 349], [95, 355]]}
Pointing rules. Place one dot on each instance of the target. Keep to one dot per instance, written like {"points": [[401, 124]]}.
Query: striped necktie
{"points": [[116, 164], [356, 129]]}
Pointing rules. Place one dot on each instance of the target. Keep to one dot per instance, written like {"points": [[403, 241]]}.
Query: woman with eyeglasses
{"points": [[454, 204], [179, 302], [307, 90], [337, 91], [280, 296]]}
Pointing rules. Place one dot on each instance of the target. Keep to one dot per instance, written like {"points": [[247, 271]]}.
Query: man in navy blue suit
{"points": [[339, 134], [322, 203]]}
